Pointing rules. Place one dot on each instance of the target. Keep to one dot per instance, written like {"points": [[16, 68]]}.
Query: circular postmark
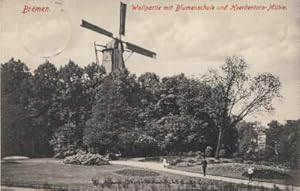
{"points": [[44, 28]]}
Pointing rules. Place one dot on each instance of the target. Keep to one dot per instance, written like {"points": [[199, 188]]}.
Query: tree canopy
{"points": [[63, 110]]}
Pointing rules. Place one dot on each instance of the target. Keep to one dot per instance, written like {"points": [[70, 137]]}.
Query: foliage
{"points": [[269, 174], [65, 141], [162, 122], [239, 170], [152, 183], [235, 95], [208, 151], [282, 142], [247, 139], [136, 172], [76, 96], [16, 130], [183, 133], [44, 114], [113, 114], [74, 108], [82, 158]]}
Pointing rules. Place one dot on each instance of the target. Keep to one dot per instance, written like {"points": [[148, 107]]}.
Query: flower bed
{"points": [[269, 174], [159, 183]]}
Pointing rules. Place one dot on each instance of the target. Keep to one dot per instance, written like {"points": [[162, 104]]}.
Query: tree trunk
{"points": [[220, 135]]}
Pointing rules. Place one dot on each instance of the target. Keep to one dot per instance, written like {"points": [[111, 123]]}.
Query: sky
{"points": [[188, 42]]}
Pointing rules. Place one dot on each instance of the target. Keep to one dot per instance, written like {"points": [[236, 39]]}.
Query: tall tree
{"points": [[114, 113], [94, 75], [235, 94], [43, 110], [282, 139], [247, 138], [71, 105], [16, 127]]}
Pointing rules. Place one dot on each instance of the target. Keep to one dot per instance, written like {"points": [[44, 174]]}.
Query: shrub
{"points": [[213, 161], [225, 161], [155, 184], [222, 153], [184, 164], [82, 158], [269, 174], [191, 153], [136, 172], [191, 160], [238, 160], [209, 151], [176, 161], [199, 153], [155, 158], [146, 145], [65, 141], [112, 156]]}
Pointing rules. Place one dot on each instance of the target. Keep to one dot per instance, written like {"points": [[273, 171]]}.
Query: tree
{"points": [[94, 75], [114, 114], [16, 129], [71, 105], [175, 115], [235, 95], [42, 106], [247, 139], [182, 133], [282, 140]]}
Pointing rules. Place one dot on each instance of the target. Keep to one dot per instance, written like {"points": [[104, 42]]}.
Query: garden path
{"points": [[159, 167]]}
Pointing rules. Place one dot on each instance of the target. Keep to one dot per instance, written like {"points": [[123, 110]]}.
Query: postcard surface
{"points": [[203, 89]]}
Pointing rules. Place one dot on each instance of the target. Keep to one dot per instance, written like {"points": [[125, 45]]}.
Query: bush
{"points": [[222, 153], [155, 158], [225, 161], [209, 151], [184, 164], [146, 145], [82, 158], [113, 156], [65, 141], [238, 160], [269, 174], [191, 160], [213, 161], [176, 161], [154, 184], [136, 172], [63, 153]]}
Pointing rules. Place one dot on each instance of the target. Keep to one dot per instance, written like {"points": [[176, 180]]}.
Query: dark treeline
{"points": [[61, 111]]}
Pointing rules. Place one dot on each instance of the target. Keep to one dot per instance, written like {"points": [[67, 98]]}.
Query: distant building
{"points": [[261, 140]]}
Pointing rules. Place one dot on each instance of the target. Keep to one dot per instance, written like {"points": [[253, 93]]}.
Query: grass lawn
{"points": [[45, 173], [52, 172], [236, 170], [225, 169]]}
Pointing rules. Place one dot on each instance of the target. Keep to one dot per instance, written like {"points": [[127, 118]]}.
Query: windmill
{"points": [[112, 58]]}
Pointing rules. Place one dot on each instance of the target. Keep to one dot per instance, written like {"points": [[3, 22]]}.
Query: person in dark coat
{"points": [[204, 165]]}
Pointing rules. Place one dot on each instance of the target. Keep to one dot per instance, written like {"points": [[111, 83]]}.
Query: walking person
{"points": [[165, 163], [204, 165], [250, 173]]}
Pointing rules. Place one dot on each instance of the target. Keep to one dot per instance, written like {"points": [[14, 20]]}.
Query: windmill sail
{"points": [[95, 28], [140, 50], [122, 18], [112, 58]]}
